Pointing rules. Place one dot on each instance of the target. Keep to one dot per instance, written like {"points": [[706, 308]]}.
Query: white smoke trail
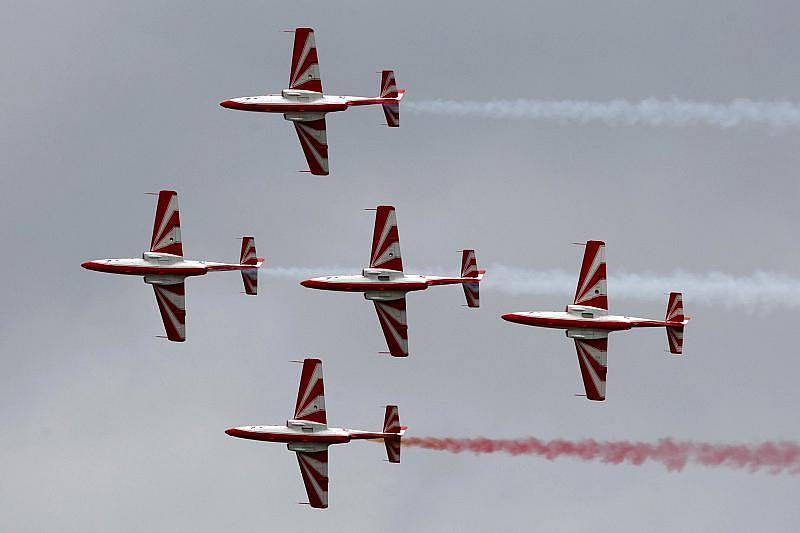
{"points": [[752, 292], [649, 112], [755, 291]]}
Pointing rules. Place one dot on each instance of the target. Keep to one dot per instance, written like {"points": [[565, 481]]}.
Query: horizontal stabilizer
{"points": [[469, 269]]}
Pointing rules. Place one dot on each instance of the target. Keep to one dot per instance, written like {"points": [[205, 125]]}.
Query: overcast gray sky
{"points": [[103, 427]]}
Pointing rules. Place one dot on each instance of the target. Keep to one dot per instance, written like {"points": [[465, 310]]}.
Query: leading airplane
{"points": [[587, 321], [385, 283], [308, 434], [164, 267], [304, 104]]}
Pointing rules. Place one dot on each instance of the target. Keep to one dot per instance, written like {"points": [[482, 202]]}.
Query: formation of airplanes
{"points": [[384, 282]]}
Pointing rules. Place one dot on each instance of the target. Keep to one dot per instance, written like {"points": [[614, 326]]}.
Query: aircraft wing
{"points": [[386, 240], [167, 225], [305, 65], [314, 141], [314, 469], [171, 300], [310, 403], [592, 357], [591, 289], [392, 316]]}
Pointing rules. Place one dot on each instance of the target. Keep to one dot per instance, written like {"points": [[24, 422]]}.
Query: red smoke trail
{"points": [[774, 457]]}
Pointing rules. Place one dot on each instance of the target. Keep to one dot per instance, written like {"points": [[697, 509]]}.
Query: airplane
{"points": [[308, 434], [588, 323], [385, 283], [165, 269], [304, 104]]}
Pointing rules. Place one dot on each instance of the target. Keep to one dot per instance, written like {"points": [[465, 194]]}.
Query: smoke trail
{"points": [[752, 292], [759, 290], [649, 112], [773, 457]]}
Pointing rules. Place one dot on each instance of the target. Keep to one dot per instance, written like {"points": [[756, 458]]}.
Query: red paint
{"points": [[284, 437], [364, 287], [288, 107], [144, 270]]}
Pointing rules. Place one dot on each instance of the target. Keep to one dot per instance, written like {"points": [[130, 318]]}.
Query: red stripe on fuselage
{"points": [[451, 281], [285, 108], [373, 101], [283, 437], [144, 270], [575, 323], [364, 287], [566, 323]]}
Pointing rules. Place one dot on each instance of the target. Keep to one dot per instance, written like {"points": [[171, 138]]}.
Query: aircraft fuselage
{"points": [[584, 318], [159, 264], [300, 431], [381, 280], [299, 101]]}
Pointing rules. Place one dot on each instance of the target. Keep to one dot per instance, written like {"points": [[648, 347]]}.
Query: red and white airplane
{"points": [[308, 434], [304, 104], [587, 321], [165, 269], [385, 283]]}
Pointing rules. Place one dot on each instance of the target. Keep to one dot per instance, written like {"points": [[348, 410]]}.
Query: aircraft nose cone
{"points": [[89, 265], [309, 283], [229, 104], [508, 316], [231, 432]]}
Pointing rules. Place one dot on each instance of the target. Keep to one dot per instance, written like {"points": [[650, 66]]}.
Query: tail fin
{"points": [[388, 85], [248, 257], [469, 269], [389, 90], [391, 421], [391, 424], [250, 281], [469, 264], [675, 314], [248, 254], [675, 308]]}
